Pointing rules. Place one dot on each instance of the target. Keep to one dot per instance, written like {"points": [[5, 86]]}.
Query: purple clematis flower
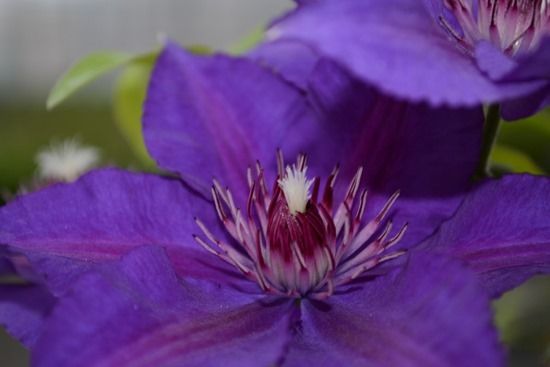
{"points": [[285, 268], [452, 52]]}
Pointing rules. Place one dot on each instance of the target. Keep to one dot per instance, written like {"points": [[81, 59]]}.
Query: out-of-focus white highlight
{"points": [[66, 161]]}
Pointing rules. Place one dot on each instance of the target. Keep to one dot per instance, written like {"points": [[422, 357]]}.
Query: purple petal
{"points": [[428, 154], [530, 66], [397, 46], [59, 273], [6, 266], [215, 116], [142, 315], [501, 231], [526, 106], [102, 216], [23, 309], [295, 61], [493, 61], [431, 313], [402, 145]]}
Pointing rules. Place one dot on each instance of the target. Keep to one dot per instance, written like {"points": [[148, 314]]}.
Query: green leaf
{"points": [[513, 160], [129, 95], [529, 136], [199, 49], [248, 42], [83, 72]]}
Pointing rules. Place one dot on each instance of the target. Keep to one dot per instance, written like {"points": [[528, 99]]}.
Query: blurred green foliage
{"points": [[531, 139], [506, 159], [524, 324], [129, 95], [83, 72], [27, 129], [248, 42]]}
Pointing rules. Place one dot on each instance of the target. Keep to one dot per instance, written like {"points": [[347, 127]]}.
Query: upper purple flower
{"points": [[452, 52], [290, 271]]}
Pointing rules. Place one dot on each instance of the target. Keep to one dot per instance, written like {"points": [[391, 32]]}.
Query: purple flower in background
{"points": [[291, 264], [452, 52]]}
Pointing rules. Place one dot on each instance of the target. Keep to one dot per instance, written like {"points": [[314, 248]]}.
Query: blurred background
{"points": [[41, 39]]}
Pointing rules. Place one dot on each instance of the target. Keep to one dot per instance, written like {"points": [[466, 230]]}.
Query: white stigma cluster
{"points": [[296, 187]]}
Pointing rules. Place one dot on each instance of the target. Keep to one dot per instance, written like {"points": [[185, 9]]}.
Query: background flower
{"points": [[434, 50]]}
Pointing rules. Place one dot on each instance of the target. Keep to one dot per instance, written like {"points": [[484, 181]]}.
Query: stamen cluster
{"points": [[511, 25], [306, 252]]}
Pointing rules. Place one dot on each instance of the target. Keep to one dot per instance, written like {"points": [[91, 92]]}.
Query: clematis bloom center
{"points": [[511, 25], [291, 241]]}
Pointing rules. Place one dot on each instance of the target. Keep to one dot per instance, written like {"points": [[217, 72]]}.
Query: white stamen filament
{"points": [[296, 188], [511, 25]]}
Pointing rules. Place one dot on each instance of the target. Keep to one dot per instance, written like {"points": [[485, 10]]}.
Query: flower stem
{"points": [[490, 133]]}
